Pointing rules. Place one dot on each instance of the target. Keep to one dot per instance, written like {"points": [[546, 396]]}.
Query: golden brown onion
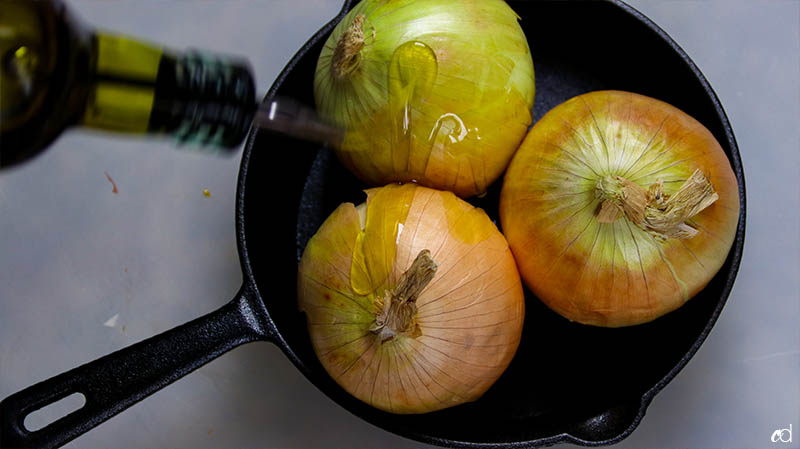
{"points": [[413, 299], [618, 208]]}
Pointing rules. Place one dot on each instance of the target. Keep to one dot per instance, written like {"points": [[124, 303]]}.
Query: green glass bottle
{"points": [[57, 73]]}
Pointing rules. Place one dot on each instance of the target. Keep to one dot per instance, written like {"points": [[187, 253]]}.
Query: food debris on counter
{"points": [[111, 322], [113, 184], [206, 193]]}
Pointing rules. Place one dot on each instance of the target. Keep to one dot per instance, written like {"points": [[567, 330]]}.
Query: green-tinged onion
{"points": [[431, 91]]}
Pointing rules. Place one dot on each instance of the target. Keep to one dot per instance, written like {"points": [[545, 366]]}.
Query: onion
{"points": [[429, 91], [413, 300], [618, 208]]}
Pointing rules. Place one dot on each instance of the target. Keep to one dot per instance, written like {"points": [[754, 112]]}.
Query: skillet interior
{"points": [[568, 381]]}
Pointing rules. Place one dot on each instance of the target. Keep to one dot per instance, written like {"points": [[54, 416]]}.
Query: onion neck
{"points": [[398, 308], [346, 56], [662, 215]]}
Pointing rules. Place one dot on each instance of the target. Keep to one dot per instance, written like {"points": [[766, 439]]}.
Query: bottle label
{"points": [[119, 107], [127, 58], [123, 90]]}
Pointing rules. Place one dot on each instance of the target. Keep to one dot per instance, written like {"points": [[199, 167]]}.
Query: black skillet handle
{"points": [[115, 382]]}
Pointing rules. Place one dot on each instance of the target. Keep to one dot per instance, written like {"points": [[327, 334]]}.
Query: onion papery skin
{"points": [[613, 274], [450, 122], [469, 316]]}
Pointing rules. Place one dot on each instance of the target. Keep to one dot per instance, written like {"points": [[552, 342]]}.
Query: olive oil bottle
{"points": [[57, 73]]}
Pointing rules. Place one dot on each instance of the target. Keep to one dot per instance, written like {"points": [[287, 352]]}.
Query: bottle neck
{"points": [[199, 98]]}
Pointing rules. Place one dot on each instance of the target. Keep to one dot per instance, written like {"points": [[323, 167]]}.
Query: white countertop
{"points": [[74, 255]]}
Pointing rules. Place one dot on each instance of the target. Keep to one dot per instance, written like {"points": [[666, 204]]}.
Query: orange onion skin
{"points": [[470, 315], [613, 274]]}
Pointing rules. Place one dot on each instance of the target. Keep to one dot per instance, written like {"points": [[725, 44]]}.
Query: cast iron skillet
{"points": [[567, 383]]}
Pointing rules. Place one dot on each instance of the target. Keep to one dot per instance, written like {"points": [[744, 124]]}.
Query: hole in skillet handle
{"points": [[568, 382], [52, 412]]}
